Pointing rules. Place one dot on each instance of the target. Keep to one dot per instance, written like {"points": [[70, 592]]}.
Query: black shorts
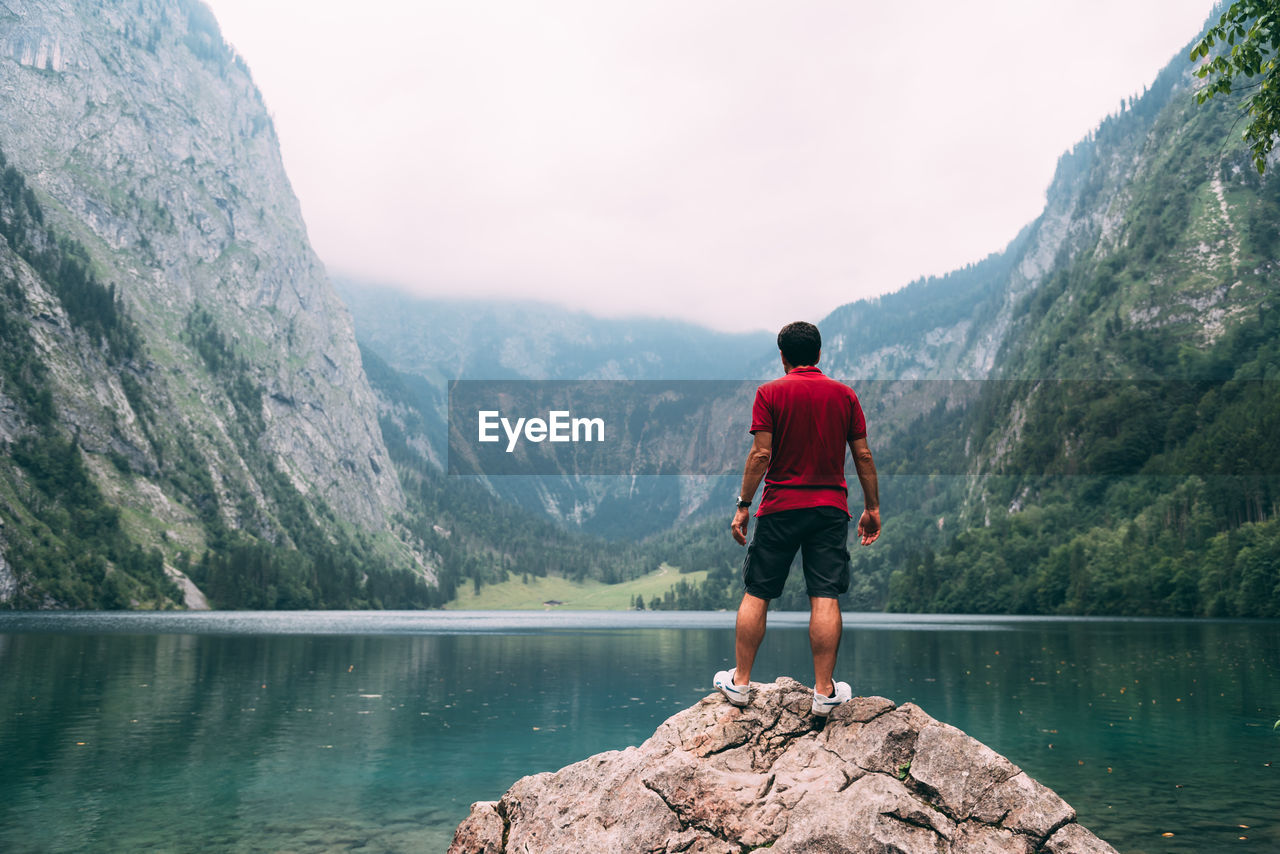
{"points": [[821, 533]]}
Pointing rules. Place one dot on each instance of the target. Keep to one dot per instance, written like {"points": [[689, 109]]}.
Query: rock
{"points": [[715, 778], [482, 831], [8, 578], [192, 596]]}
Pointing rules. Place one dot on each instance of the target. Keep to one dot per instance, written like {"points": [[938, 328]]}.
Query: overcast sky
{"points": [[731, 162]]}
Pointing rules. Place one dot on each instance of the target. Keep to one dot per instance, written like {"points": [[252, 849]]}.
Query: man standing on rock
{"points": [[802, 423]]}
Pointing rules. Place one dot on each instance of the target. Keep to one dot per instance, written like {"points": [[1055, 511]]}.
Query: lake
{"points": [[374, 732]]}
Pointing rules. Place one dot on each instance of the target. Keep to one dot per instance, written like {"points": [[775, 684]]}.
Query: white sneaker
{"points": [[739, 695], [822, 706]]}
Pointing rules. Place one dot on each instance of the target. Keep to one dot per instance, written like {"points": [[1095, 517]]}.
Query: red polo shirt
{"points": [[812, 418]]}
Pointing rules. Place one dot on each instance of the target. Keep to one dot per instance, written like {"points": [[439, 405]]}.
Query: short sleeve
{"points": [[858, 421], [761, 413]]}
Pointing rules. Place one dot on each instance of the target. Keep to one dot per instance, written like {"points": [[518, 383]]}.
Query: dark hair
{"points": [[800, 343]]}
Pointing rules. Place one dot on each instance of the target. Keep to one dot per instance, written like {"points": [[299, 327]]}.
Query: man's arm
{"points": [[869, 524], [752, 474]]}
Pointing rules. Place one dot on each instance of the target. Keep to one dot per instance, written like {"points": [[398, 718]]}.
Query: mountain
{"points": [[429, 343], [1125, 462], [187, 416], [1082, 423], [182, 388], [1086, 422], [449, 339]]}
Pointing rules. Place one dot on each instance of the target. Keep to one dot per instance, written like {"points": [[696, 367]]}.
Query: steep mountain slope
{"points": [[1105, 438], [190, 351], [1127, 466], [473, 534]]}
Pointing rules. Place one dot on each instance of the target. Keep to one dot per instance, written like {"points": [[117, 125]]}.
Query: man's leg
{"points": [[826, 575], [749, 632], [825, 626]]}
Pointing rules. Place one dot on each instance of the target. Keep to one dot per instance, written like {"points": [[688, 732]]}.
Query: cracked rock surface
{"points": [[715, 778]]}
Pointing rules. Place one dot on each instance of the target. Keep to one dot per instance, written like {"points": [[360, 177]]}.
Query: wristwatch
{"points": [[743, 505]]}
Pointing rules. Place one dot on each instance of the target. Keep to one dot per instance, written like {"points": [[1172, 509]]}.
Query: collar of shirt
{"points": [[804, 369]]}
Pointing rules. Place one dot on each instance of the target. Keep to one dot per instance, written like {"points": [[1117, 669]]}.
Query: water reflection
{"points": [[222, 741]]}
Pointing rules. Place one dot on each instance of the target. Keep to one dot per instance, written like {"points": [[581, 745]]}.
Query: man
{"points": [[801, 425]]}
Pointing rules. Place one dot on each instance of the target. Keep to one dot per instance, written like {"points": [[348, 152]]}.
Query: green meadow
{"points": [[589, 595]]}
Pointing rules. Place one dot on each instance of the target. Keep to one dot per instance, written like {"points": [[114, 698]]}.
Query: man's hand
{"points": [[869, 526], [752, 473]]}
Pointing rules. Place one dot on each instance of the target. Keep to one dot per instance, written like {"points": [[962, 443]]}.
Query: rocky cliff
{"points": [[146, 137], [142, 151], [715, 778]]}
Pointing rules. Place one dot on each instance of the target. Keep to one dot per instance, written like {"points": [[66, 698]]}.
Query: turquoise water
{"points": [[374, 732]]}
